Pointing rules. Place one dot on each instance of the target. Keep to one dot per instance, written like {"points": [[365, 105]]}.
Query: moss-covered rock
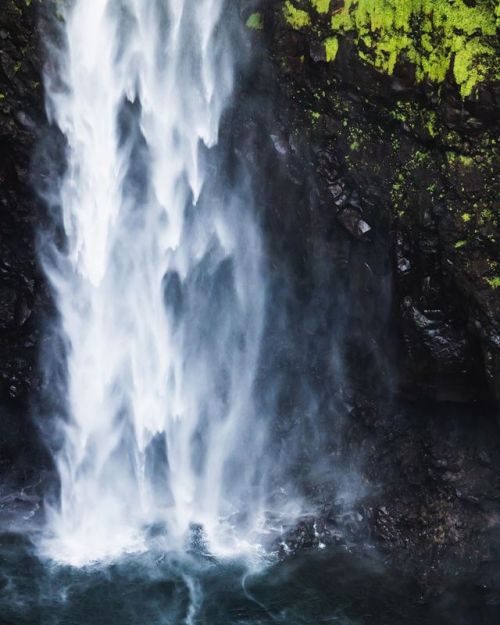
{"points": [[401, 101], [439, 38]]}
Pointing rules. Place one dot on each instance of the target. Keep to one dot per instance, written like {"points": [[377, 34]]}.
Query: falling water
{"points": [[159, 283]]}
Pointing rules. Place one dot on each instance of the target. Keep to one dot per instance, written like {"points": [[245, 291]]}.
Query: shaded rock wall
{"points": [[382, 207], [404, 149], [22, 292]]}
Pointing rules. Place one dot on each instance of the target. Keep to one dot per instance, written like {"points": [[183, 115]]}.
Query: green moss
{"points": [[397, 188], [398, 114], [255, 21], [417, 118], [494, 282], [321, 6], [430, 124], [451, 157], [471, 65], [418, 158], [436, 36], [408, 179], [355, 136], [466, 217], [466, 161], [331, 48], [297, 18]]}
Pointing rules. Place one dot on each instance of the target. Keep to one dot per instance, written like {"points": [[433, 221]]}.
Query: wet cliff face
{"points": [[382, 204], [22, 295], [394, 111]]}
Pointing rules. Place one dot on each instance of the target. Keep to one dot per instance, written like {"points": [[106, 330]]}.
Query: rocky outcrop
{"points": [[395, 108]]}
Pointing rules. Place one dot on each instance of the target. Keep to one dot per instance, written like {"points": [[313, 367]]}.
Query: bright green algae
{"points": [[436, 36]]}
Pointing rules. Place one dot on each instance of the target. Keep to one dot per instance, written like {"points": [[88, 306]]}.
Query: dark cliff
{"points": [[394, 108], [22, 292], [383, 158]]}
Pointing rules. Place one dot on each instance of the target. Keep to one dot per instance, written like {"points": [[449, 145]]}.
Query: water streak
{"points": [[159, 283]]}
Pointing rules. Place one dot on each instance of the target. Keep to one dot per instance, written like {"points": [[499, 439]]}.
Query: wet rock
{"points": [[281, 145], [8, 305], [353, 223], [300, 537], [23, 300], [423, 162]]}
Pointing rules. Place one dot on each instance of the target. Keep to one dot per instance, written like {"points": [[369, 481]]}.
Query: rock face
{"points": [[395, 107], [21, 283], [384, 127]]}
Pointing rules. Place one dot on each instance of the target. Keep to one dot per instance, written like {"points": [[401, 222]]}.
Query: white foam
{"points": [[142, 377]]}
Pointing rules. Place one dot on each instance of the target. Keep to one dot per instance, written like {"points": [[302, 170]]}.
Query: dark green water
{"points": [[156, 588]]}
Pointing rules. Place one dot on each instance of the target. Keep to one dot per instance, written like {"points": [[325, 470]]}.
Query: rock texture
{"points": [[403, 144], [385, 186], [21, 282]]}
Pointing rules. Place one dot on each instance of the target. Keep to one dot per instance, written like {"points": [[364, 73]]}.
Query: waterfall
{"points": [[159, 282]]}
